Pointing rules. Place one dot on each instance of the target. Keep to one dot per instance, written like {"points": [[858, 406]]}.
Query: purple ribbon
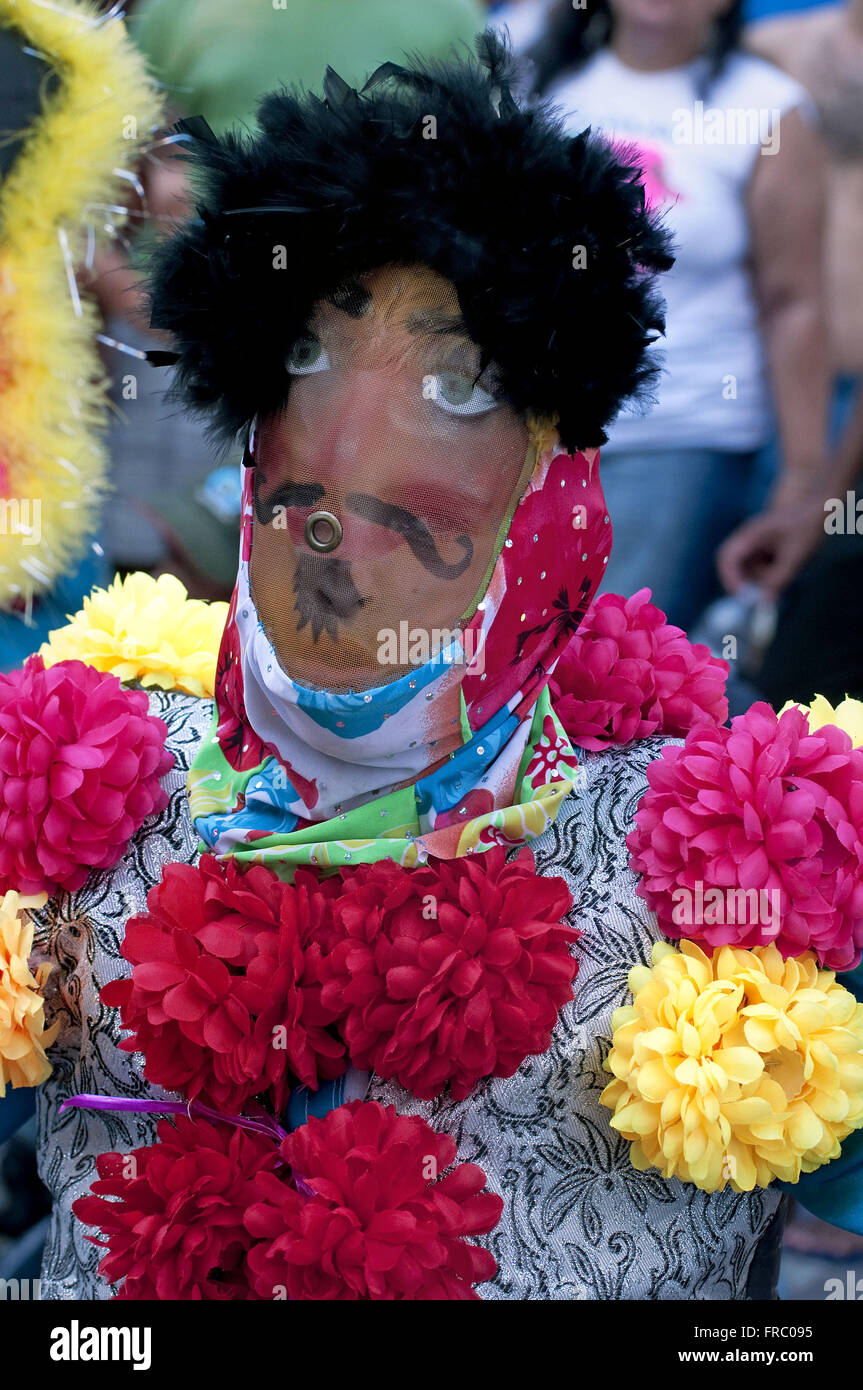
{"points": [[83, 1101], [267, 1127]]}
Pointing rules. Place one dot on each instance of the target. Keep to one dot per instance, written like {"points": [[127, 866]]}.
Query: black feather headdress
{"points": [[545, 237]]}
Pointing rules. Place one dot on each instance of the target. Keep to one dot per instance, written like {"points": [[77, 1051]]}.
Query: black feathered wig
{"points": [[544, 236]]}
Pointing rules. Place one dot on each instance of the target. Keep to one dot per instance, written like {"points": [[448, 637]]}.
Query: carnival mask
{"points": [[383, 486]]}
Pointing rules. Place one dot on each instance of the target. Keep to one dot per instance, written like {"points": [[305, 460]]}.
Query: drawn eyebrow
{"points": [[351, 297], [287, 494]]}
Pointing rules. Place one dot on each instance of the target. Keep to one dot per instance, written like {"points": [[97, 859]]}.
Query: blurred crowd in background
{"points": [[733, 494], [724, 484]]}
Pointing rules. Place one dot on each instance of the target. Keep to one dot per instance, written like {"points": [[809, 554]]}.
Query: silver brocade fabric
{"points": [[579, 1221]]}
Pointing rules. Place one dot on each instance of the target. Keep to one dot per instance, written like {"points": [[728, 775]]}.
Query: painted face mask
{"points": [[380, 288], [414, 559], [381, 488]]}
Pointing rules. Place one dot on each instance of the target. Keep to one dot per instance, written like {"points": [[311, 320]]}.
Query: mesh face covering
{"points": [[393, 429], [413, 561]]}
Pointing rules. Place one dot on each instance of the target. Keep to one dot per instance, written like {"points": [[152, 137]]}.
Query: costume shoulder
{"points": [[589, 835]]}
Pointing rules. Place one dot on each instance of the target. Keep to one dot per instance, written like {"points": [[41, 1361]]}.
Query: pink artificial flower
{"points": [[80, 763], [627, 673], [767, 808]]}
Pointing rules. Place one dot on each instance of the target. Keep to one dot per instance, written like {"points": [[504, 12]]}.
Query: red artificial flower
{"points": [[451, 972], [220, 1000], [80, 762], [628, 673], [373, 1217], [772, 816], [176, 1230]]}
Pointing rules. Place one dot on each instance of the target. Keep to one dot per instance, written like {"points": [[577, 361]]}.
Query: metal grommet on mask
{"points": [[323, 531]]}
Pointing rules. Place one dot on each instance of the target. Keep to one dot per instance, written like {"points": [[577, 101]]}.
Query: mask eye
{"points": [[457, 394], [307, 355]]}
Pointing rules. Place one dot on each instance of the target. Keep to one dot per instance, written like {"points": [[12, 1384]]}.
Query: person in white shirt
{"points": [[726, 144]]}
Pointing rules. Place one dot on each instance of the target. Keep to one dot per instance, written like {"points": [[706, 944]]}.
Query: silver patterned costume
{"points": [[579, 1221]]}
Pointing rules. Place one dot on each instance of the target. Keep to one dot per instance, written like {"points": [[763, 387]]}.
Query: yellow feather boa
{"points": [[52, 388]]}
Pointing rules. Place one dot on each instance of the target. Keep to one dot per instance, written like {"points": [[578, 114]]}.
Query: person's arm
{"points": [[787, 221], [847, 462], [786, 212], [779, 40]]}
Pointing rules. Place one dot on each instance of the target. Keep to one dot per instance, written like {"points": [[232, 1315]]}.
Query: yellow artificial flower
{"points": [[848, 716], [23, 1035], [736, 1068], [147, 630]]}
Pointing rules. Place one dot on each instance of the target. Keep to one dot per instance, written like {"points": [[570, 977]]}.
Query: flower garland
{"points": [[748, 1064], [465, 990], [222, 960], [355, 1206], [243, 986], [847, 716], [80, 765], [374, 1224], [765, 822], [737, 1063], [627, 673]]}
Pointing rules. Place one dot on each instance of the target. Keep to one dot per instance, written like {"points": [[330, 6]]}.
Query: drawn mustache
{"points": [[399, 520], [415, 532]]}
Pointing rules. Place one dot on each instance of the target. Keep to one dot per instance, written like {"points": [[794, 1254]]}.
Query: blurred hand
{"points": [[769, 549]]}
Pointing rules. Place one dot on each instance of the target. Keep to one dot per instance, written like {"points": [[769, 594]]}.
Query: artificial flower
{"points": [[763, 824], [847, 716], [80, 762], [737, 1067], [371, 1216], [451, 972], [176, 1230], [628, 673], [218, 1000], [146, 630], [23, 1035]]}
